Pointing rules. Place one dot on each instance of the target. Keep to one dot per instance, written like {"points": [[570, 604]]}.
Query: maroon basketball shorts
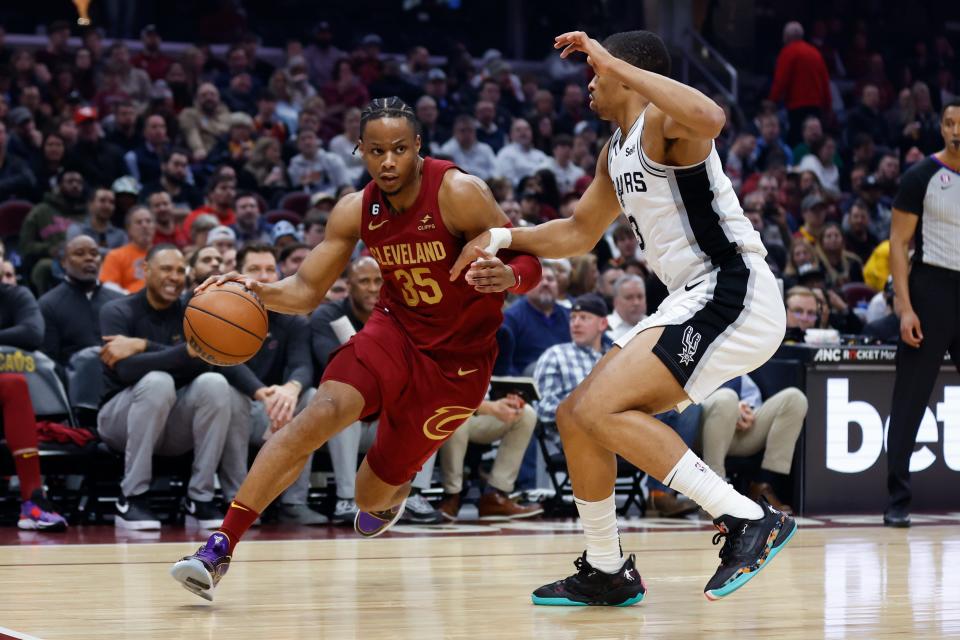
{"points": [[420, 398]]}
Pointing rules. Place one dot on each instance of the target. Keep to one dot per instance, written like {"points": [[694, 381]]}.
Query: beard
{"points": [[177, 180]]}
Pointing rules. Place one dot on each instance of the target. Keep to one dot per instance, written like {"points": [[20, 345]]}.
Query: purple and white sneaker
{"points": [[201, 572], [370, 524], [39, 514]]}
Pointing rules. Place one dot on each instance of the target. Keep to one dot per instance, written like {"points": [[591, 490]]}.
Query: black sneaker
{"points": [[207, 515], [749, 546], [899, 518], [133, 512], [589, 586]]}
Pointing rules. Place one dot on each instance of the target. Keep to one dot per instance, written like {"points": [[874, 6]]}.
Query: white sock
{"points": [[694, 479], [600, 528]]}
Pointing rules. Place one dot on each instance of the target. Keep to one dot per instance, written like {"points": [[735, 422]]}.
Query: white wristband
{"points": [[500, 238]]}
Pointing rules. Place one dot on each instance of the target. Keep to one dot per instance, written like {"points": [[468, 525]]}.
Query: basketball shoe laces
{"points": [[584, 569], [732, 545]]}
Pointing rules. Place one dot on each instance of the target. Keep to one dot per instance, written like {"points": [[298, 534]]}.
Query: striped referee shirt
{"points": [[559, 370], [931, 191]]}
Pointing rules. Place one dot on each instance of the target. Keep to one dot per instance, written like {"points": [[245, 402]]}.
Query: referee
{"points": [[927, 209]]}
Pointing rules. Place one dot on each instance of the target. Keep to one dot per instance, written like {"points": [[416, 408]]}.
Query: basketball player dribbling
{"points": [[723, 317], [423, 360]]}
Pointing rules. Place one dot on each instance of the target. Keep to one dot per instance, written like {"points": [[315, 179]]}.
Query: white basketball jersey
{"points": [[687, 220]]}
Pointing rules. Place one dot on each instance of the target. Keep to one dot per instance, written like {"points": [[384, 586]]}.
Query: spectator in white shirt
{"points": [[476, 158], [629, 305], [821, 162], [344, 144], [314, 169], [561, 164], [519, 158]]}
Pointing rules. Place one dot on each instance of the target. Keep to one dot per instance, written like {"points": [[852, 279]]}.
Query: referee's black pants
{"points": [[935, 295]]}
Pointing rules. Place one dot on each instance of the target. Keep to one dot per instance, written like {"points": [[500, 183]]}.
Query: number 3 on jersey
{"points": [[414, 283], [636, 230]]}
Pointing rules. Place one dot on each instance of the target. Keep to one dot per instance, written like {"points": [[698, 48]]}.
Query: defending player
{"points": [[723, 317], [423, 360]]}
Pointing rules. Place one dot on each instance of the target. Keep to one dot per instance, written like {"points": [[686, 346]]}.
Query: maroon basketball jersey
{"points": [[415, 252]]}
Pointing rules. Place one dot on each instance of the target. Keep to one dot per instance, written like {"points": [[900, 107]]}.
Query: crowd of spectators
{"points": [[145, 173]]}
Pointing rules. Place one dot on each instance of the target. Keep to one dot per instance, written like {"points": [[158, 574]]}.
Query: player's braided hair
{"points": [[392, 107]]}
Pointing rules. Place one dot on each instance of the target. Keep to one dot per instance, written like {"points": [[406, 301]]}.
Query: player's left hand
{"points": [[597, 56], [488, 273], [468, 254]]}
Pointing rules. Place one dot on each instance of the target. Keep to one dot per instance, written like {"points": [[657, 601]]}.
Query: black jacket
{"points": [[324, 340], [133, 316], [72, 319], [21, 324], [285, 354]]}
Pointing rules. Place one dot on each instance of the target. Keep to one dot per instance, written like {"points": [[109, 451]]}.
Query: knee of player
{"points": [[582, 413], [331, 407], [566, 413]]}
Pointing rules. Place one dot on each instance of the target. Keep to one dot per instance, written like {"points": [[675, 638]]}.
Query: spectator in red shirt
{"points": [[220, 194], [151, 60], [345, 91], [800, 81], [167, 231]]}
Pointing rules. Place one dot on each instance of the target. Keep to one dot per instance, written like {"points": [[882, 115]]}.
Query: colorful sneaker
{"points": [[748, 547], [589, 586], [372, 524], [201, 572], [39, 514]]}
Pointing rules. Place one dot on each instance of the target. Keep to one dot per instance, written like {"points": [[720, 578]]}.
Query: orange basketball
{"points": [[225, 325]]}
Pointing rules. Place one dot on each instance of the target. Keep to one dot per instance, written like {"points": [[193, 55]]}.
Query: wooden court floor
{"points": [[831, 582]]}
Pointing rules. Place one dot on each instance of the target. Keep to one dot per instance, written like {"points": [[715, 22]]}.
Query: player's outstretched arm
{"points": [[469, 209], [303, 292], [564, 238], [690, 113]]}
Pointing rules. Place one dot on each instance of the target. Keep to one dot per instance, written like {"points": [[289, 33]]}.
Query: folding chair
{"points": [[629, 478], [47, 394], [84, 375], [556, 464]]}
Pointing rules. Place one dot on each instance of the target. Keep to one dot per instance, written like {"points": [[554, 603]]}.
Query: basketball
{"points": [[225, 325]]}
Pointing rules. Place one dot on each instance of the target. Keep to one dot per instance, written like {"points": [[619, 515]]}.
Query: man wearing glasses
{"points": [[802, 313]]}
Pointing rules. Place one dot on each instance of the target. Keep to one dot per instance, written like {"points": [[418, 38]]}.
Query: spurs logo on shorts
{"points": [[438, 427], [691, 341]]}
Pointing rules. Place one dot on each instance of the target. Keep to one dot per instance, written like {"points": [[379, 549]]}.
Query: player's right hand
{"points": [[233, 276], [910, 331], [469, 254]]}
